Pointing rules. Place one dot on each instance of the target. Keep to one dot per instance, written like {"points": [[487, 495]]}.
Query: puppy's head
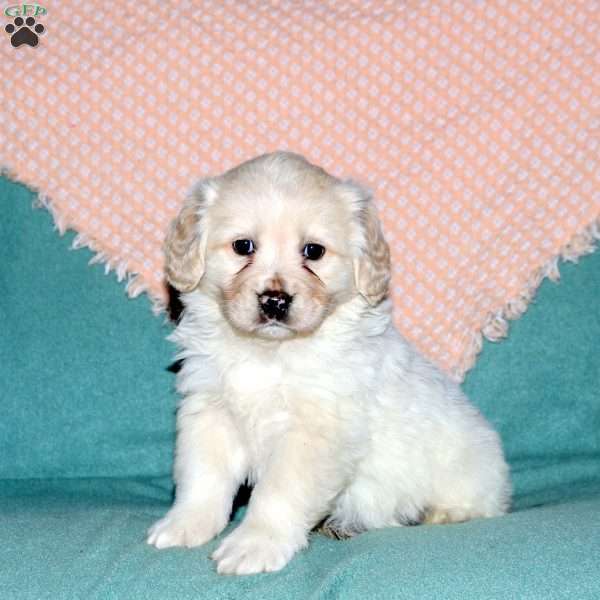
{"points": [[279, 243]]}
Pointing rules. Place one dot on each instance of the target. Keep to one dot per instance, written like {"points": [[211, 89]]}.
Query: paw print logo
{"points": [[24, 32]]}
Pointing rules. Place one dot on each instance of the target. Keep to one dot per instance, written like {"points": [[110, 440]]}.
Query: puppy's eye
{"points": [[243, 247], [313, 251]]}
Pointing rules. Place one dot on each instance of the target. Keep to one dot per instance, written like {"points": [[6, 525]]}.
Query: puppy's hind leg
{"points": [[441, 516], [484, 493]]}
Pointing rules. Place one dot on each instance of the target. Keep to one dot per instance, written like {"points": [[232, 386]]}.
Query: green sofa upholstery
{"points": [[86, 439]]}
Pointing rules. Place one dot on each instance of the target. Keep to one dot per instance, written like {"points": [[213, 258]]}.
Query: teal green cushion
{"points": [[83, 369], [86, 442], [84, 539]]}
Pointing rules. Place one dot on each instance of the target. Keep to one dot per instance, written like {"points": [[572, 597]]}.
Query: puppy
{"points": [[295, 380]]}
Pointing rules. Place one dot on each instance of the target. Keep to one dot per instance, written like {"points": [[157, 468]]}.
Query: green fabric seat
{"points": [[86, 442]]}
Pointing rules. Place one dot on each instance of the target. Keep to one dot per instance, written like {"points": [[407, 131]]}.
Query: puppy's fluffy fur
{"points": [[328, 412]]}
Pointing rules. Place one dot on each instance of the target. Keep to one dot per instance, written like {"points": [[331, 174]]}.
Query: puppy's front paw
{"points": [[187, 528], [252, 550]]}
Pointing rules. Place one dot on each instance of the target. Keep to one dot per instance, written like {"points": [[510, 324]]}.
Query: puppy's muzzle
{"points": [[274, 305]]}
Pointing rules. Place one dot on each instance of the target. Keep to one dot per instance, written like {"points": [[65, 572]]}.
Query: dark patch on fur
{"points": [[175, 367], [241, 498], [328, 530], [174, 304]]}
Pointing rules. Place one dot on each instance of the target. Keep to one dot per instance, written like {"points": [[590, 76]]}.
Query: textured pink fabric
{"points": [[476, 124]]}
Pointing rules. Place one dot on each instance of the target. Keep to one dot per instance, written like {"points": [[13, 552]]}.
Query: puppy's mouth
{"points": [[273, 328]]}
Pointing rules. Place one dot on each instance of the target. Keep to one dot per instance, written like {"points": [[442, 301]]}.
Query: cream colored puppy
{"points": [[295, 379]]}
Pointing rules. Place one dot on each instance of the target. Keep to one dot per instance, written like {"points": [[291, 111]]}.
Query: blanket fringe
{"points": [[135, 283], [496, 324]]}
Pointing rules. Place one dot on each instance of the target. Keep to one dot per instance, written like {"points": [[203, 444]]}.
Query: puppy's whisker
{"points": [[307, 268], [250, 261]]}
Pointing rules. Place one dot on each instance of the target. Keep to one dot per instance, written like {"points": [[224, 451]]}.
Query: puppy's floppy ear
{"points": [[185, 244], [372, 270]]}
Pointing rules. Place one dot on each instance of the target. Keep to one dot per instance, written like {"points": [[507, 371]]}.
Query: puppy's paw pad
{"points": [[181, 529], [247, 551]]}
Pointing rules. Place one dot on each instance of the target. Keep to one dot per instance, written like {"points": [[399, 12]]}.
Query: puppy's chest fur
{"points": [[256, 393], [263, 385], [269, 393]]}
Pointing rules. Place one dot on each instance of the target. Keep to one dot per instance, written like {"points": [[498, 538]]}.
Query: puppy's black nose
{"points": [[274, 305]]}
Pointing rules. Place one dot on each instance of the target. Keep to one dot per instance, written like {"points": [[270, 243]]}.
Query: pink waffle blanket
{"points": [[476, 125]]}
